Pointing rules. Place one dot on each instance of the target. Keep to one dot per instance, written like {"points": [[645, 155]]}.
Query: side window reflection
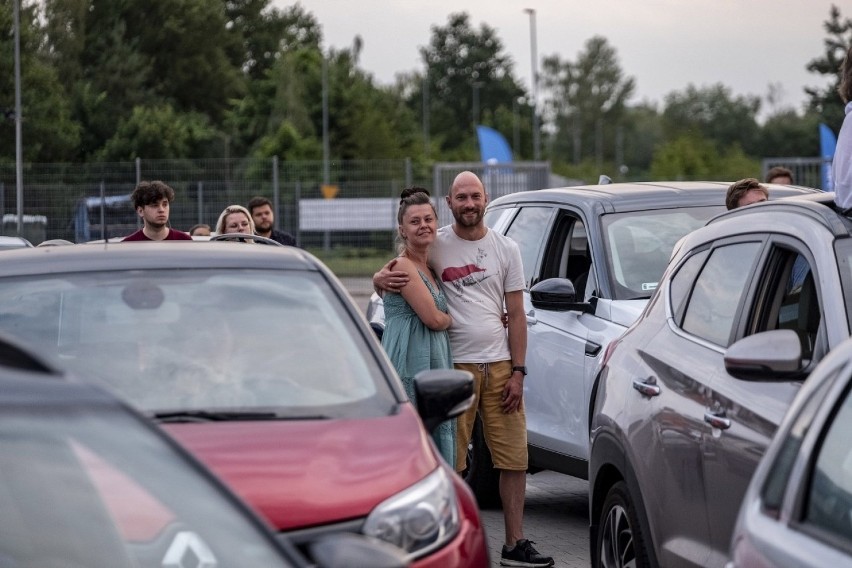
{"points": [[528, 230], [830, 494], [712, 308]]}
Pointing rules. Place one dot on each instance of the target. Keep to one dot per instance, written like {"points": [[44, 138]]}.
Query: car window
{"points": [[203, 339], [528, 230], [788, 298], [843, 253], [712, 307], [639, 245], [681, 283], [495, 216], [567, 254], [829, 501]]}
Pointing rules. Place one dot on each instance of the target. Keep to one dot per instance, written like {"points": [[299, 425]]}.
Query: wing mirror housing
{"points": [[442, 394], [558, 294], [774, 355]]}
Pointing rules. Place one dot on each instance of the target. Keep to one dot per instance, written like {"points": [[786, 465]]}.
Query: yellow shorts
{"points": [[505, 434]]}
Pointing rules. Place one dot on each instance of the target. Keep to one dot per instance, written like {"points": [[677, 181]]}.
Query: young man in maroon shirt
{"points": [[152, 200]]}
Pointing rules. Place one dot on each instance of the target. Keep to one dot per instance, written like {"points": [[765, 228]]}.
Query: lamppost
{"points": [[536, 140], [19, 169]]}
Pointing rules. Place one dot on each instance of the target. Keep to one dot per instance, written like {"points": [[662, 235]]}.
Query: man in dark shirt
{"points": [[264, 219], [152, 200]]}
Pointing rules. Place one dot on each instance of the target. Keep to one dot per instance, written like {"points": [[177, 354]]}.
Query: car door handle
{"points": [[648, 386], [531, 319], [592, 348], [717, 419]]}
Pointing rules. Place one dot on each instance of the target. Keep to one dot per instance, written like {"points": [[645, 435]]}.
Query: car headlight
{"points": [[420, 519]]}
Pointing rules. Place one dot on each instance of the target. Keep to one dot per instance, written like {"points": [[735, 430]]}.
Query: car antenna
{"points": [[604, 179]]}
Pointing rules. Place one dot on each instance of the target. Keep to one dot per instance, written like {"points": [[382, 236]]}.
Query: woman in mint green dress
{"points": [[416, 319]]}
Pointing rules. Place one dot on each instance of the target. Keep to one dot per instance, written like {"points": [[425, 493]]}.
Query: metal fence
{"points": [[340, 203]]}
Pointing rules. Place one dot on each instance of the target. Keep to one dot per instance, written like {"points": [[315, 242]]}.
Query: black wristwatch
{"points": [[520, 368]]}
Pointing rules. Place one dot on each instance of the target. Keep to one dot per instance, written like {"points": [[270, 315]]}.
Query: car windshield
{"points": [[233, 342], [639, 245], [92, 487]]}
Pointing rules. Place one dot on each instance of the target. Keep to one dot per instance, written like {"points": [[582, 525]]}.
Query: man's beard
{"points": [[460, 219], [157, 225], [265, 228]]}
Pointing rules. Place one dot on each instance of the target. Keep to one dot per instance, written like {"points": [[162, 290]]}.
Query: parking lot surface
{"points": [[555, 518]]}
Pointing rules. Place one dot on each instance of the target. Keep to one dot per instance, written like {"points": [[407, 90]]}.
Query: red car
{"points": [[255, 358]]}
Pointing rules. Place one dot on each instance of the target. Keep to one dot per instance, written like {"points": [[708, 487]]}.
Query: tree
{"points": [[116, 56], [49, 132], [788, 133], [469, 77], [263, 33], [586, 100], [158, 133], [693, 157], [826, 102], [714, 114]]}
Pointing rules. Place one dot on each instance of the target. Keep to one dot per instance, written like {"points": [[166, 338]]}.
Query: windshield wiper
{"points": [[213, 415], [197, 415]]}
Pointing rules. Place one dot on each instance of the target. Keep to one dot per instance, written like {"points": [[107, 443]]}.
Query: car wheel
{"points": [[620, 540], [480, 475]]}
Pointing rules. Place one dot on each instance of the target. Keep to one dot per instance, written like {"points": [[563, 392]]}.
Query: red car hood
{"points": [[302, 473]]}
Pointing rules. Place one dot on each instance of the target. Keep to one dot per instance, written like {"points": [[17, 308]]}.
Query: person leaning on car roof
{"points": [[745, 192], [152, 199]]}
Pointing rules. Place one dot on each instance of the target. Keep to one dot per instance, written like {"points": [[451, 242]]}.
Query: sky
{"points": [[665, 45]]}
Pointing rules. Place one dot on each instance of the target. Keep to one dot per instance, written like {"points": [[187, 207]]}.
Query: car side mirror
{"points": [[442, 394], [774, 355], [558, 294]]}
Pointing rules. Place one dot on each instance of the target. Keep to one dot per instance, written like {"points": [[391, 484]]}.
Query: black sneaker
{"points": [[524, 554]]}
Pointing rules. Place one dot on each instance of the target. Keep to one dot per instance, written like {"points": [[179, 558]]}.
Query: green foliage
{"points": [[468, 76], [49, 132], [587, 100], [825, 101], [690, 157], [788, 133], [215, 78], [159, 132], [288, 144], [713, 114]]}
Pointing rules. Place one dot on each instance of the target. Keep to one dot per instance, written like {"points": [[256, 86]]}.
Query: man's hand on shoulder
{"points": [[388, 279]]}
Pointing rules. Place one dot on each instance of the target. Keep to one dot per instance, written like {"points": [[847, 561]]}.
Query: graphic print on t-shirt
{"points": [[468, 275]]}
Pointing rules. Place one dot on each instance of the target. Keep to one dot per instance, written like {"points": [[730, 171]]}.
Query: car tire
{"points": [[620, 539], [481, 475]]}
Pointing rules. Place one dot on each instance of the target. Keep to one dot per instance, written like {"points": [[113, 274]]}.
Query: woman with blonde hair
{"points": [[235, 219]]}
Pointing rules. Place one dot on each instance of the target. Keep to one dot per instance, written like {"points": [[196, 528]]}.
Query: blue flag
{"points": [[493, 147], [827, 144]]}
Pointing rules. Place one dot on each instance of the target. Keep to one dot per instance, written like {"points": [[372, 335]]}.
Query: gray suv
{"points": [[592, 258], [690, 396]]}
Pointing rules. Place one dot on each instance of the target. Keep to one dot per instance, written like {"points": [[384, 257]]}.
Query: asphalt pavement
{"points": [[556, 516]]}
